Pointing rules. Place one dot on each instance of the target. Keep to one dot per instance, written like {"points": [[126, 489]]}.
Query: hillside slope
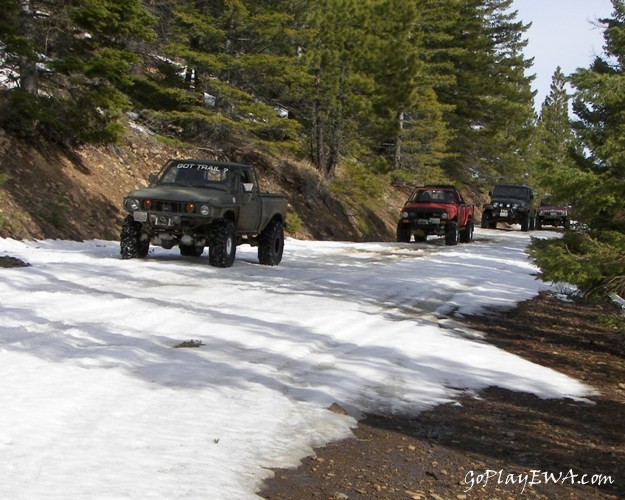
{"points": [[54, 192]]}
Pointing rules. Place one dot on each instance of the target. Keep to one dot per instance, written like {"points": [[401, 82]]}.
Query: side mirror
{"points": [[248, 187]]}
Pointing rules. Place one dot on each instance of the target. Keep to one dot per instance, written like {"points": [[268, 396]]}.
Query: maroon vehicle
{"points": [[436, 210], [551, 213]]}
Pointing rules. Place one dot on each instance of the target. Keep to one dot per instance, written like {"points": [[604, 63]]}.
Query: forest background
{"points": [[371, 93]]}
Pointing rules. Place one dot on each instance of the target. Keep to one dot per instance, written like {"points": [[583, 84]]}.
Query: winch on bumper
{"points": [[167, 229], [507, 212]]}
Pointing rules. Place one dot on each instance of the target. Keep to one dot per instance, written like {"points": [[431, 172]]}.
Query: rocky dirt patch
{"points": [[487, 445], [7, 261]]}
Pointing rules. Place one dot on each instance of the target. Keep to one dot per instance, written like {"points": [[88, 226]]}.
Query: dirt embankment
{"points": [[53, 192]]}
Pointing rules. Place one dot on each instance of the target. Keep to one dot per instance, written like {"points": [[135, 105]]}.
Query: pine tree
{"points": [[598, 104], [237, 57], [490, 95], [594, 256], [423, 136], [334, 56], [371, 87], [554, 142], [406, 127], [71, 57]]}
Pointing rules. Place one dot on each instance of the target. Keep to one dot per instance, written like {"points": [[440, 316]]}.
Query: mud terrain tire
{"points": [[452, 234], [223, 246], [466, 233], [131, 246], [271, 244], [403, 233]]}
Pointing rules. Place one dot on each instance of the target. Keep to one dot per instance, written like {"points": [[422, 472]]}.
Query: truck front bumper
{"points": [[424, 227]]}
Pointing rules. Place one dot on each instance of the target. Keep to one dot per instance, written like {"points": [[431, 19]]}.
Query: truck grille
{"points": [[423, 214], [168, 206]]}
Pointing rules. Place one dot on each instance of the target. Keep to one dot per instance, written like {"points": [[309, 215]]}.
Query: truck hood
{"points": [[184, 194], [549, 208], [439, 207]]}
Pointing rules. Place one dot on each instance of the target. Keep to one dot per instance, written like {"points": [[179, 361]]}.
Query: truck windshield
{"points": [[517, 192], [434, 195], [196, 174]]}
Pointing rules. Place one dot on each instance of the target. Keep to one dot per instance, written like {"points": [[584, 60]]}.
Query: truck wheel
{"points": [[223, 247], [403, 233], [525, 222], [190, 250], [451, 234], [466, 234], [539, 223], [131, 246], [567, 223], [485, 222], [271, 244]]}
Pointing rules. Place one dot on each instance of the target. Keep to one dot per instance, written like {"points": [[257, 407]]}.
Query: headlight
{"points": [[205, 210], [404, 215], [445, 216], [495, 205], [132, 204], [515, 206]]}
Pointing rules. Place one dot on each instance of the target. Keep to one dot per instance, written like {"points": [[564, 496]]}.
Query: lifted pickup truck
{"points": [[511, 204], [199, 203], [438, 210]]}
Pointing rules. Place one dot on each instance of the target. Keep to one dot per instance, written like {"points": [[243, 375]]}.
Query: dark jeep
{"points": [[510, 204], [437, 210], [199, 203]]}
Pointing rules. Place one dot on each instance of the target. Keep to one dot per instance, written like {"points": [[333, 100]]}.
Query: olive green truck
{"points": [[195, 204]]}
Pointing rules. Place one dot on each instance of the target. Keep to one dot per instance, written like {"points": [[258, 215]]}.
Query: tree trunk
{"points": [[398, 152], [333, 155], [318, 152], [28, 62], [338, 127]]}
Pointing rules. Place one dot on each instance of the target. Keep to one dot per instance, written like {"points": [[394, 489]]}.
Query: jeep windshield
{"points": [[433, 196], [196, 175], [551, 202], [516, 192]]}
